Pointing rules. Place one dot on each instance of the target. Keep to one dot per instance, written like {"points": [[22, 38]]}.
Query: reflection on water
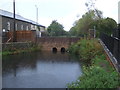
{"points": [[40, 70]]}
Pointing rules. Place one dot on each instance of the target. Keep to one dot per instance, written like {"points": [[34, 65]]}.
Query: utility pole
{"points": [[118, 20], [36, 23], [36, 14], [14, 28], [37, 30]]}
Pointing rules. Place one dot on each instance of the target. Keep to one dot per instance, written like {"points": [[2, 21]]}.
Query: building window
{"points": [[21, 27], [42, 29], [26, 27], [35, 27], [16, 26], [31, 27], [8, 26], [3, 30]]}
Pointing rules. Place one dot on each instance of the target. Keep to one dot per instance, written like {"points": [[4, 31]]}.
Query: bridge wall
{"points": [[48, 43]]}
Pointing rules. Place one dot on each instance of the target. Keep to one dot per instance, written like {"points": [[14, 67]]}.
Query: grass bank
{"points": [[97, 71], [13, 50]]}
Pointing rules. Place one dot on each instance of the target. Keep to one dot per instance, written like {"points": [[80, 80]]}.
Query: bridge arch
{"points": [[62, 49], [54, 49], [56, 43]]}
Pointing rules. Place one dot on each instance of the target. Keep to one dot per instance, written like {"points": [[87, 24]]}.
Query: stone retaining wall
{"points": [[16, 45]]}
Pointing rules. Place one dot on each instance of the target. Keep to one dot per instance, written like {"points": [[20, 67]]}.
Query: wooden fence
{"points": [[22, 36]]}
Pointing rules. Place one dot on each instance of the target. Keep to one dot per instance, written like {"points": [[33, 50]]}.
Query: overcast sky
{"points": [[65, 12]]}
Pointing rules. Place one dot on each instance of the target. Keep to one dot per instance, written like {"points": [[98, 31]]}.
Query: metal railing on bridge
{"points": [[113, 44]]}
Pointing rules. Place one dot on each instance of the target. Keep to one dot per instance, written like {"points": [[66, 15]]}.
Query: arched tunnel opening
{"points": [[54, 49], [63, 49]]}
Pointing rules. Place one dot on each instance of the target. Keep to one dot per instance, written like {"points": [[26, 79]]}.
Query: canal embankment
{"points": [[19, 47], [97, 71]]}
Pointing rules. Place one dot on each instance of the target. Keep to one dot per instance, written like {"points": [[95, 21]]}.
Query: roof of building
{"points": [[18, 17]]}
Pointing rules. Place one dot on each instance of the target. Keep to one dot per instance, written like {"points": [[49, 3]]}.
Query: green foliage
{"points": [[5, 53], [73, 31], [74, 49], [56, 29], [31, 48], [106, 25], [96, 77], [91, 19], [87, 49], [99, 74], [100, 60], [85, 23]]}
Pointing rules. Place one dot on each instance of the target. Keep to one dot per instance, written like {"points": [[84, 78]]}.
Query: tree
{"points": [[93, 18], [107, 25], [90, 4], [73, 31], [56, 29], [85, 23]]}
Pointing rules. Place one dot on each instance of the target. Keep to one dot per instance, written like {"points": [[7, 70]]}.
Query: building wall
{"points": [[20, 25], [8, 25], [26, 26], [4, 23], [42, 29]]}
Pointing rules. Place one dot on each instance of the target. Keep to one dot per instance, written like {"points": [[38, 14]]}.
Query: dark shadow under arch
{"points": [[63, 49], [54, 49]]}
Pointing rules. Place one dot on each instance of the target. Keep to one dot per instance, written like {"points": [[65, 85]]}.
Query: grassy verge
{"points": [[13, 51], [98, 73]]}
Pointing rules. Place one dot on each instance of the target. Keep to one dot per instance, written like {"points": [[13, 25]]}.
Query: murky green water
{"points": [[40, 70]]}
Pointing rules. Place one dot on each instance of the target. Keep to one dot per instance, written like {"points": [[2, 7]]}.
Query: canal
{"points": [[40, 70]]}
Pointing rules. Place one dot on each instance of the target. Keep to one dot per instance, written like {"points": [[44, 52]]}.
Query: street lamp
{"points": [[36, 14], [37, 29]]}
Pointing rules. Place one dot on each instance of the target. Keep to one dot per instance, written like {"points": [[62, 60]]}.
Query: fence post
{"points": [[119, 51]]}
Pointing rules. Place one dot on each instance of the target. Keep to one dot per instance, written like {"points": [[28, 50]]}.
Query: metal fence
{"points": [[113, 44]]}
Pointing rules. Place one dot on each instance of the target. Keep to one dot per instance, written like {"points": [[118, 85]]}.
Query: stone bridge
{"points": [[56, 43]]}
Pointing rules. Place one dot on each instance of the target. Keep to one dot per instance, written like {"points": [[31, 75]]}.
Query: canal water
{"points": [[40, 70]]}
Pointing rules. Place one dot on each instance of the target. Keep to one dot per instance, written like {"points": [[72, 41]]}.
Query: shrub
{"points": [[30, 48], [96, 77], [99, 74], [74, 49], [86, 49]]}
